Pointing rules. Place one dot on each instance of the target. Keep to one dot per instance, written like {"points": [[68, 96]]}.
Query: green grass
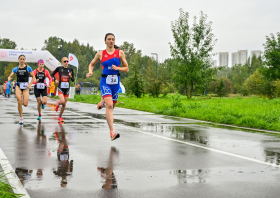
{"points": [[251, 112], [5, 189]]}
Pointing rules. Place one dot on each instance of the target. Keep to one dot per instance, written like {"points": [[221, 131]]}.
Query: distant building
{"points": [[239, 57], [234, 59], [223, 59], [214, 63], [256, 52], [242, 56]]}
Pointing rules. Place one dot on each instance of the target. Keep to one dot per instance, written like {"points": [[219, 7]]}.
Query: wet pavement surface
{"points": [[78, 159]]}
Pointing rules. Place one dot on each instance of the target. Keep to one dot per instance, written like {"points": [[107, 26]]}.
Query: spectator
{"points": [[52, 89], [78, 89], [8, 88], [4, 86]]}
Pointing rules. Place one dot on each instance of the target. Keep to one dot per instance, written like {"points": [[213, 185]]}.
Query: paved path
{"points": [[156, 156]]}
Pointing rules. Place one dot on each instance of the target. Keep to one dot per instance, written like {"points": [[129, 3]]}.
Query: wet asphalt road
{"points": [[78, 159]]}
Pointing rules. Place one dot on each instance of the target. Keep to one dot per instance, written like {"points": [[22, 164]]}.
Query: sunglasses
{"points": [[65, 61]]}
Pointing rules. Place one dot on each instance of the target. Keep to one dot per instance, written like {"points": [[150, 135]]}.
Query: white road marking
{"points": [[190, 144], [12, 177]]}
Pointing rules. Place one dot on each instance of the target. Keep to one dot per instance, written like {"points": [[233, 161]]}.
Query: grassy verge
{"points": [[251, 112], [5, 189]]}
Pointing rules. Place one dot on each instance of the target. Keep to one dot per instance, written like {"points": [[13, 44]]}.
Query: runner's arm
{"points": [[97, 58], [11, 76], [47, 73], [35, 73], [32, 80], [72, 76], [53, 73], [124, 62]]}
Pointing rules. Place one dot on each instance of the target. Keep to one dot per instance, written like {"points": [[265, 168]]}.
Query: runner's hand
{"points": [[89, 74], [70, 74], [29, 86], [48, 86], [56, 81], [114, 67], [37, 80]]}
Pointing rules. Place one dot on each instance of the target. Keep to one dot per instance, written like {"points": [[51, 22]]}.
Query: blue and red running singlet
{"points": [[110, 84]]}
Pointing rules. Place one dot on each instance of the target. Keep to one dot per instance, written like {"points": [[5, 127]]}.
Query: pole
{"points": [[157, 65], [76, 75], [206, 88]]}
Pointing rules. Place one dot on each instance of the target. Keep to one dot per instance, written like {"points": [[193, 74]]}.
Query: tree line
{"points": [[189, 70]]}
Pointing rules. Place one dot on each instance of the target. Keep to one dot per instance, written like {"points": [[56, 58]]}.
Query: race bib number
{"points": [[63, 157], [64, 85], [40, 86], [112, 80], [23, 85]]}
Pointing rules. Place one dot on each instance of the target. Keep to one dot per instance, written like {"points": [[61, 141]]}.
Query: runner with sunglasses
{"points": [[65, 74], [111, 59], [40, 88], [22, 86]]}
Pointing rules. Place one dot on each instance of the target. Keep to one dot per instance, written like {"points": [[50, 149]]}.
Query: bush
{"points": [[176, 102], [220, 89], [134, 84]]}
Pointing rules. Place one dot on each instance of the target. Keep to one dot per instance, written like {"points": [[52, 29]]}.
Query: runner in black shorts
{"points": [[40, 88], [65, 74], [22, 85]]}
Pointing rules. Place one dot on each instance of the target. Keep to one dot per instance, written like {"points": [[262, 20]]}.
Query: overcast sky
{"points": [[238, 24]]}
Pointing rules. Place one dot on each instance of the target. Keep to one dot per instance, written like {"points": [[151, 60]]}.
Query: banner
{"points": [[73, 60], [32, 56]]}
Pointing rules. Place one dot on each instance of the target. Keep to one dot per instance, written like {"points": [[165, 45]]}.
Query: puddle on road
{"points": [[214, 137], [108, 174], [64, 168]]}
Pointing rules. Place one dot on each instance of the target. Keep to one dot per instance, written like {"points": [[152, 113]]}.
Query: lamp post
{"points": [[157, 61]]}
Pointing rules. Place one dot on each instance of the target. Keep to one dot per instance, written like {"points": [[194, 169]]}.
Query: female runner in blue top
{"points": [[22, 85], [111, 59]]}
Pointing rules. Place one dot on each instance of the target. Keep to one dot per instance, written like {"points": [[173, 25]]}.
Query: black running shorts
{"points": [[40, 92]]}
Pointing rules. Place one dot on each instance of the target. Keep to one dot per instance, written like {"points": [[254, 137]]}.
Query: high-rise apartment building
{"points": [[223, 59], [242, 56], [256, 52], [234, 59], [214, 63]]}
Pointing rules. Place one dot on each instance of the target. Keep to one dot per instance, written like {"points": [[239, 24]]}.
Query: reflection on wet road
{"points": [[78, 159], [108, 172]]}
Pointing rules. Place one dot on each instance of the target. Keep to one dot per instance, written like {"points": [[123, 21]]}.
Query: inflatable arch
{"points": [[32, 56]]}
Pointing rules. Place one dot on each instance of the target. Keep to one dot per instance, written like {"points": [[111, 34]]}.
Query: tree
{"points": [[220, 89], [259, 85], [271, 54], [155, 84], [130, 54], [5, 43], [8, 70], [191, 51], [227, 82], [134, 83], [129, 51], [52, 45], [238, 75], [255, 64]]}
